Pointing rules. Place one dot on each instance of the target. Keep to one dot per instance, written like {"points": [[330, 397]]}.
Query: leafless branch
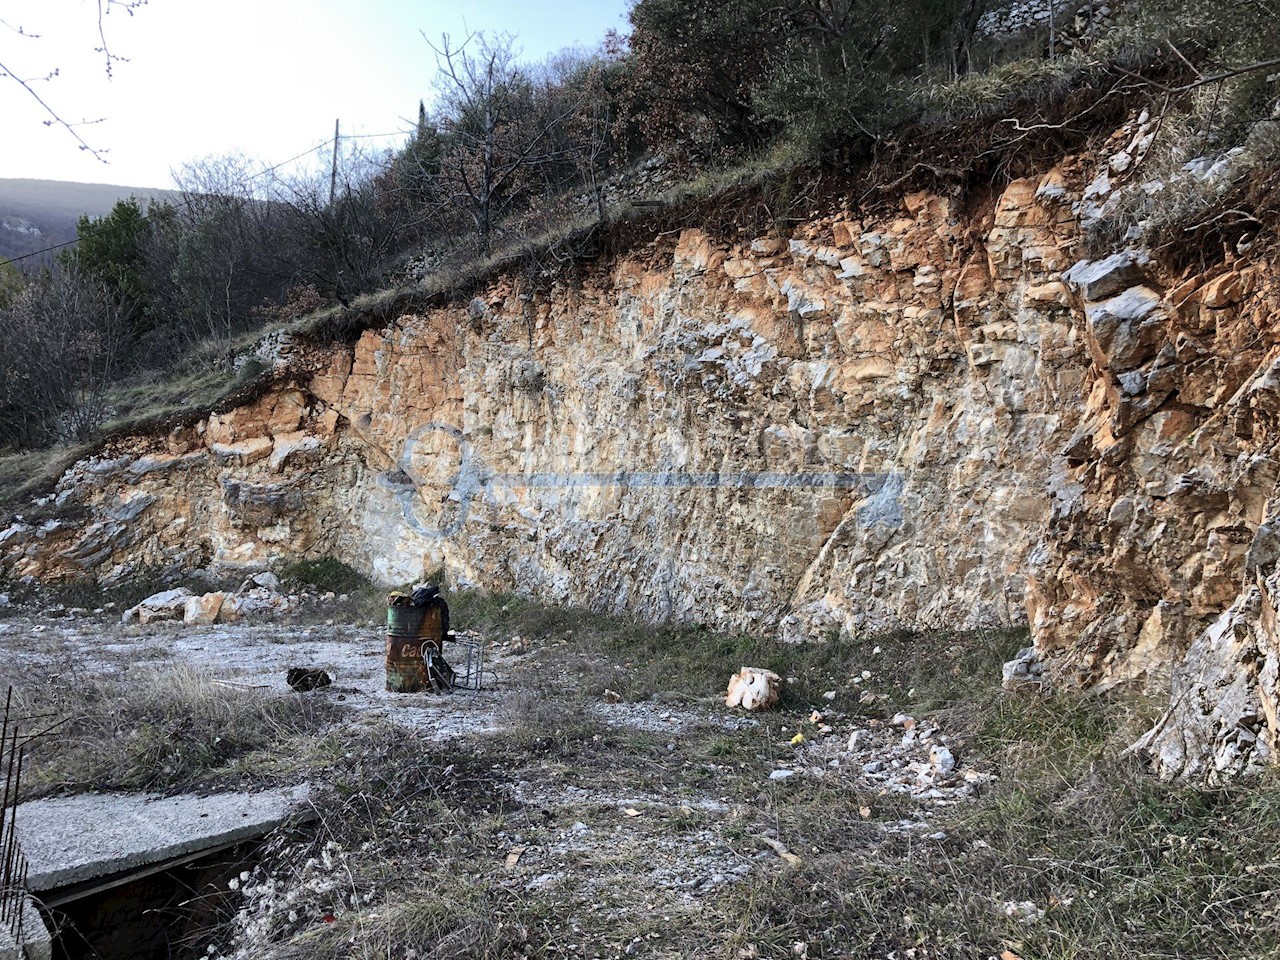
{"points": [[19, 30], [1230, 73], [55, 119]]}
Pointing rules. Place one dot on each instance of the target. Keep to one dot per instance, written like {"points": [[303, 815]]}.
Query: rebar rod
{"points": [[22, 897], [4, 738], [7, 836], [11, 847]]}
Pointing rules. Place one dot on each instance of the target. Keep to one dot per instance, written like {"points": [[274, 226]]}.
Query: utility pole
{"points": [[333, 171]]}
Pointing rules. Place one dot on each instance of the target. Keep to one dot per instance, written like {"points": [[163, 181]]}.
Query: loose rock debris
{"points": [[1025, 671], [259, 596], [578, 837], [901, 756]]}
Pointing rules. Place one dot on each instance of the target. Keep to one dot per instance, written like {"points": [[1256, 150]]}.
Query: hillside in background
{"points": [[35, 214]]}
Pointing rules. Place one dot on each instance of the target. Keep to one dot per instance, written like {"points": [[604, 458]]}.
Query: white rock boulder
{"points": [[167, 605], [753, 688]]}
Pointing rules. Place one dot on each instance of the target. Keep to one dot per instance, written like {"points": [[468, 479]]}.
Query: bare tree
{"points": [[63, 341], [495, 139], [29, 84], [573, 91], [343, 245]]}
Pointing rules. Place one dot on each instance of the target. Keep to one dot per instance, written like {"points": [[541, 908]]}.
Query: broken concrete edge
{"points": [[115, 831], [36, 942]]}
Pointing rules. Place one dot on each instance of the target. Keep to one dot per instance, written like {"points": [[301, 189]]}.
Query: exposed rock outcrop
{"points": [[932, 416]]}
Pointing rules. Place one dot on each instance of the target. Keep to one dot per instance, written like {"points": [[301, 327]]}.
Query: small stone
{"points": [[1120, 162], [1024, 669], [942, 759]]}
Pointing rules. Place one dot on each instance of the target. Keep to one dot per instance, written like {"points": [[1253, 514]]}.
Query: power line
{"points": [[187, 203], [366, 136]]}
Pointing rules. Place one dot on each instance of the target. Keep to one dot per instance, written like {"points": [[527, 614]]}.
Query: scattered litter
{"points": [[753, 688], [1024, 911], [781, 850], [242, 686]]}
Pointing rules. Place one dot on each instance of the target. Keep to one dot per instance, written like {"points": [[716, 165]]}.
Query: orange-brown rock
{"points": [[879, 420]]}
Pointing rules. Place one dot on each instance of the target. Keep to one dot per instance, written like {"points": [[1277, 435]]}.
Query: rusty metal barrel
{"points": [[410, 631]]}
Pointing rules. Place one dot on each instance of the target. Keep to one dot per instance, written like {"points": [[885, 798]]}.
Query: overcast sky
{"points": [[266, 77]]}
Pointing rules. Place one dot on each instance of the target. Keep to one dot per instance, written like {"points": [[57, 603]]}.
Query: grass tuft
{"points": [[150, 728]]}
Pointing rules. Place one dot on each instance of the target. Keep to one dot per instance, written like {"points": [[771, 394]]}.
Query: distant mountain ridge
{"points": [[35, 214]]}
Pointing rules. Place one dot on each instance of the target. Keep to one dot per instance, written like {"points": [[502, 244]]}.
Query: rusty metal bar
{"points": [[14, 867], [22, 894], [11, 837], [4, 738], [7, 839]]}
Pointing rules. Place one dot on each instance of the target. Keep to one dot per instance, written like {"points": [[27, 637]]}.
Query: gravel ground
{"points": [[599, 840]]}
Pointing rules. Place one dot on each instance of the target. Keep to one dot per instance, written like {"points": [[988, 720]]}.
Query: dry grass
{"points": [[690, 663], [985, 92], [1074, 852], [149, 728], [1091, 855], [27, 474], [1184, 217]]}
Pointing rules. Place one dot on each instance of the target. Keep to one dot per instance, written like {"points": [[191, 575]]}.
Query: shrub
{"points": [[324, 574]]}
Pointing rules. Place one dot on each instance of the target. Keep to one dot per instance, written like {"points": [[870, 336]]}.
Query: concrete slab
{"points": [[70, 840], [37, 942]]}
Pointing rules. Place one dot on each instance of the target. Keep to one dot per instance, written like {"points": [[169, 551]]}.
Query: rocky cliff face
{"points": [[935, 417]]}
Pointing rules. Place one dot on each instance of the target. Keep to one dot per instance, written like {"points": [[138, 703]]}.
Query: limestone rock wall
{"points": [[932, 417]]}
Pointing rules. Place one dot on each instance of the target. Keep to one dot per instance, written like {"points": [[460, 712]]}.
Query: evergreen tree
{"points": [[112, 249]]}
